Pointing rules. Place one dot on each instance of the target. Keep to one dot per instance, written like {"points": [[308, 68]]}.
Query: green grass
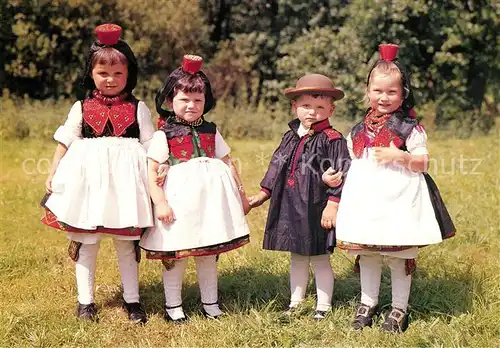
{"points": [[455, 298]]}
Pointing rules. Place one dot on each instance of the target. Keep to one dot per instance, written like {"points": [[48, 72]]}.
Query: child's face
{"points": [[385, 93], [310, 110], [188, 106], [109, 79]]}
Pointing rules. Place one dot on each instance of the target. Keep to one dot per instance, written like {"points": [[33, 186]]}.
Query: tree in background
{"points": [[255, 48]]}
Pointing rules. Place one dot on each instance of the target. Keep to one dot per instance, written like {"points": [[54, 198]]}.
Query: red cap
{"points": [[388, 51], [192, 64], [108, 34]]}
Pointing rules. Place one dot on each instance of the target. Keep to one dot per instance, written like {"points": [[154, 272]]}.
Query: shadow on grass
{"points": [[252, 288], [430, 296], [240, 290]]}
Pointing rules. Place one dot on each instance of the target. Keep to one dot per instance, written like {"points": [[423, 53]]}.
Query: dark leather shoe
{"points": [[290, 311], [135, 312], [396, 320], [178, 321], [320, 315], [364, 316], [209, 316], [87, 311]]}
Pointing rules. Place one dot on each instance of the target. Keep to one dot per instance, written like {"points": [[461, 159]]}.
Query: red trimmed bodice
{"points": [[99, 111]]}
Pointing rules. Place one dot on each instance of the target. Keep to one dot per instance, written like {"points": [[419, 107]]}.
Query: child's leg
{"points": [[129, 269], [370, 274], [206, 269], [299, 275], [401, 283], [323, 274], [85, 273], [172, 284]]}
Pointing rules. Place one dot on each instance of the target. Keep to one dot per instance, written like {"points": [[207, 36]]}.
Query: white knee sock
{"points": [[299, 276], [324, 277], [370, 274], [129, 269], [401, 283], [206, 270], [85, 272], [172, 284]]}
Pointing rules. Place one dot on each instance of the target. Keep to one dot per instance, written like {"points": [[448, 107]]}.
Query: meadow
{"points": [[455, 298]]}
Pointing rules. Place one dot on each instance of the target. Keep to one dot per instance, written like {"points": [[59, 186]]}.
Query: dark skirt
{"points": [[442, 216]]}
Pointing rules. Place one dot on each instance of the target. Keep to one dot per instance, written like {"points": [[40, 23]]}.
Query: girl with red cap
{"points": [[97, 185], [390, 206], [200, 211]]}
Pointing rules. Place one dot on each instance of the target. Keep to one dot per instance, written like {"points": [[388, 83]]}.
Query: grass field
{"points": [[455, 299]]}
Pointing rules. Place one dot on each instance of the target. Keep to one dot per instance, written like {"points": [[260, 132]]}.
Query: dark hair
{"points": [[108, 55], [104, 53], [188, 83]]}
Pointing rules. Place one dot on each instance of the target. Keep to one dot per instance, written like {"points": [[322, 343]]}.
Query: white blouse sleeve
{"points": [[158, 147], [222, 149], [146, 128], [416, 143], [72, 128], [349, 145]]}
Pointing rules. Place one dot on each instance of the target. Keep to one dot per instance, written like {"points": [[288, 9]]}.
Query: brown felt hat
{"points": [[314, 84]]}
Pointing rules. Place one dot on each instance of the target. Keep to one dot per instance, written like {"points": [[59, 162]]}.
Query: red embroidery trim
{"points": [[207, 143], [181, 148], [98, 110], [291, 180]]}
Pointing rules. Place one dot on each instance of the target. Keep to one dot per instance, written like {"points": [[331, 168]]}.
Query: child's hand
{"points": [[331, 178], [48, 184], [384, 155], [246, 205], [258, 199], [329, 216], [162, 174], [165, 213]]}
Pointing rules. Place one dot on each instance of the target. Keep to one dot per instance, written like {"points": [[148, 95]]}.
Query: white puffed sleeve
{"points": [[146, 128], [416, 143], [222, 149], [158, 147], [349, 145], [72, 128]]}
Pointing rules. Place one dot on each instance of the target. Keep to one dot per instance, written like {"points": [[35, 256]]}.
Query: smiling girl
{"points": [[200, 211], [389, 206]]}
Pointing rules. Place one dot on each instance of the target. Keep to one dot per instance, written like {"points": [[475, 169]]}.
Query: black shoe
{"points": [[87, 312], [395, 321], [135, 312], [319, 315], [290, 311], [167, 317], [210, 316], [364, 316]]}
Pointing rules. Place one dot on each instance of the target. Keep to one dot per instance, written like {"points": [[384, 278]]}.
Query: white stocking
{"points": [[85, 272]]}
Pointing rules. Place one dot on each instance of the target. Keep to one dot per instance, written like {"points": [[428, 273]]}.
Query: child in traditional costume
{"points": [[303, 209], [390, 206], [200, 211], [97, 185]]}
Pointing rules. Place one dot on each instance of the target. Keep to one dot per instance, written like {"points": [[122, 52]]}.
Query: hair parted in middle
{"points": [[188, 79], [389, 64]]}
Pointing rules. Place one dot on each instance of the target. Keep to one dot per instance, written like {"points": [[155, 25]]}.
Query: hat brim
{"points": [[335, 93]]}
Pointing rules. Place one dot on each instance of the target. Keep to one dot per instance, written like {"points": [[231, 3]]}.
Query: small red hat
{"points": [[192, 64], [108, 34], [388, 52]]}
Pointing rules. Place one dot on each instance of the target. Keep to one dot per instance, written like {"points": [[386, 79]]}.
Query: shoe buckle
{"points": [[363, 311], [397, 315]]}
